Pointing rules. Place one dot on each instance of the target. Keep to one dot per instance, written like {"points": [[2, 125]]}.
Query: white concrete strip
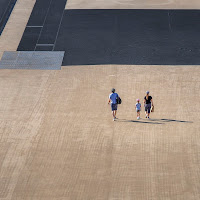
{"points": [[133, 4], [14, 29], [44, 44], [34, 26]]}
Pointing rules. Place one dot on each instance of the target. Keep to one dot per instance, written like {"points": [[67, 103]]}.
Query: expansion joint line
{"points": [[43, 25], [169, 22]]}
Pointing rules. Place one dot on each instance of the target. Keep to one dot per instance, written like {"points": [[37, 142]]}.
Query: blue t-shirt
{"points": [[113, 97], [138, 106]]}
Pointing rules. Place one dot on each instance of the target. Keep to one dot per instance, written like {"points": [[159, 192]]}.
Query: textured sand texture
{"points": [[133, 4], [58, 140]]}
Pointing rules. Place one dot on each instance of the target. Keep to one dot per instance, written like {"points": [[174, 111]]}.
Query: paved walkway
{"points": [[58, 140]]}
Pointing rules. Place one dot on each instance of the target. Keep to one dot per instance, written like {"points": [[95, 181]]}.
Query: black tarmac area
{"points": [[43, 26], [6, 7], [133, 37]]}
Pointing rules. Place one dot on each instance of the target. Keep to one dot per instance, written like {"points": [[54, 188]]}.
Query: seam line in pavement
{"points": [[43, 25], [58, 30]]}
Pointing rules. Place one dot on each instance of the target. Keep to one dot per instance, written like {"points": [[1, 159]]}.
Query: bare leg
{"points": [[145, 110], [138, 115], [115, 113]]}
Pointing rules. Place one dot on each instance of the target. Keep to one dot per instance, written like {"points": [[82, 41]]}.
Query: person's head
{"points": [[147, 95], [113, 90], [138, 100]]}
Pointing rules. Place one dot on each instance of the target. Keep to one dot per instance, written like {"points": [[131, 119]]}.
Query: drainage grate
{"points": [[41, 60]]}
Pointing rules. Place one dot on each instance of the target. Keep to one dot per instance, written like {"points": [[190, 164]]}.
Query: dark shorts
{"points": [[113, 107], [148, 107]]}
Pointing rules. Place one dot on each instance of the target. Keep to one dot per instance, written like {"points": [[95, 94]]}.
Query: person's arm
{"points": [[109, 100], [144, 101], [152, 102]]}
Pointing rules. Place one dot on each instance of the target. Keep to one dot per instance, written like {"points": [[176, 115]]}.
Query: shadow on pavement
{"points": [[170, 120], [137, 121], [153, 121]]}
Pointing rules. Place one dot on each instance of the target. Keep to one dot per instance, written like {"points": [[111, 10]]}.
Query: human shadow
{"points": [[170, 120], [141, 122], [154, 121]]}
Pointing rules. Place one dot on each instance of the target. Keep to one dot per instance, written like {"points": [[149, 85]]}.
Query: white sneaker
{"points": [[138, 117], [146, 116], [113, 119]]}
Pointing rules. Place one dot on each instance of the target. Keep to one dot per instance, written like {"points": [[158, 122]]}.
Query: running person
{"points": [[112, 99], [148, 102]]}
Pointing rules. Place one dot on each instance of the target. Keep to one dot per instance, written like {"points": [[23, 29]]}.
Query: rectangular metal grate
{"points": [[40, 60]]}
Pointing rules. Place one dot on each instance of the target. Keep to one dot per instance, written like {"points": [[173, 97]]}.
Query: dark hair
{"points": [[113, 90]]}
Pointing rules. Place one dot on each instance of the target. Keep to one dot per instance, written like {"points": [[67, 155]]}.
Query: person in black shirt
{"points": [[148, 102]]}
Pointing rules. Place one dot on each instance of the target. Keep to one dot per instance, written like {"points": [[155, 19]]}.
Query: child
{"points": [[138, 108]]}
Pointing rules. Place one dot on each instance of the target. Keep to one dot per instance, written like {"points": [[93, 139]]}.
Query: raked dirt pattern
{"points": [[58, 140]]}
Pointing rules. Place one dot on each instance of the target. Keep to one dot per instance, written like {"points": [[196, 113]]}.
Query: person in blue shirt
{"points": [[113, 102], [138, 108]]}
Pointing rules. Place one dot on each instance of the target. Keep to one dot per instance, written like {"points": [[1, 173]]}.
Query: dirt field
{"points": [[58, 140]]}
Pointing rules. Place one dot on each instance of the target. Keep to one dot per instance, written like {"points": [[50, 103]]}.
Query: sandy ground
{"points": [[58, 140], [133, 4]]}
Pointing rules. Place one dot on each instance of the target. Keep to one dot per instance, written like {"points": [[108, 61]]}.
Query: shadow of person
{"points": [[138, 121], [171, 120]]}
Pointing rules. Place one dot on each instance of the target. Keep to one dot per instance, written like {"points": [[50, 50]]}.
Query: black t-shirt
{"points": [[148, 100]]}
